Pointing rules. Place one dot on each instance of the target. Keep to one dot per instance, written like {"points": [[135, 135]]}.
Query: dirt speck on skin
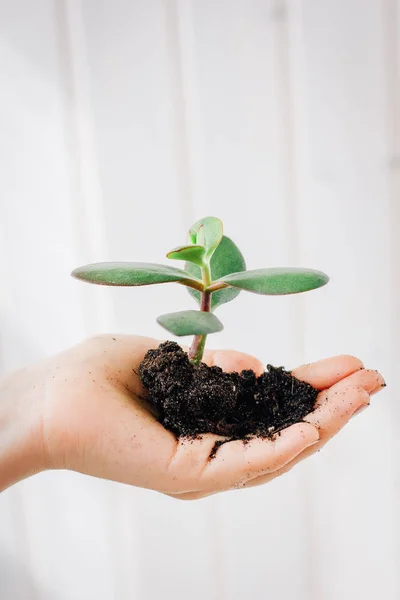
{"points": [[195, 399]]}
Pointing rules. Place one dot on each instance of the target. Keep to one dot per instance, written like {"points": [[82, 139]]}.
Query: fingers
{"points": [[236, 462], [336, 405], [237, 465], [325, 373], [371, 381], [331, 419], [335, 408], [196, 475]]}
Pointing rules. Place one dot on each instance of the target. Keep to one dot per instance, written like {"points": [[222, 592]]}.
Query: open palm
{"points": [[96, 421]]}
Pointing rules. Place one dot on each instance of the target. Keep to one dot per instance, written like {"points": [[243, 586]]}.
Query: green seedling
{"points": [[215, 273]]}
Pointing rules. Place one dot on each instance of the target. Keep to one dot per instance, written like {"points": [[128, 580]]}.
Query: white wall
{"points": [[120, 123]]}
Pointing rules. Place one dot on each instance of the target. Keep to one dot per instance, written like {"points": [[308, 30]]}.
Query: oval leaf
{"points": [[190, 322], [194, 254], [132, 273], [279, 281], [226, 259], [207, 232]]}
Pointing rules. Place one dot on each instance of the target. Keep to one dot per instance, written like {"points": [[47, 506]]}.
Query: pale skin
{"points": [[83, 410]]}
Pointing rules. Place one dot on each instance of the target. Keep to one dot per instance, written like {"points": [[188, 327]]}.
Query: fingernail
{"points": [[359, 410], [375, 384], [314, 438], [313, 443]]}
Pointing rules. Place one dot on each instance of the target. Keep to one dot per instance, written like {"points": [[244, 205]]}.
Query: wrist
{"points": [[22, 451]]}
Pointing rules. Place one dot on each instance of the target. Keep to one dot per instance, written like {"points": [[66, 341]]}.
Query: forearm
{"points": [[21, 452]]}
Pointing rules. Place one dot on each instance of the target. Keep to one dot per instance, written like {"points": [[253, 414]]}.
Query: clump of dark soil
{"points": [[195, 399]]}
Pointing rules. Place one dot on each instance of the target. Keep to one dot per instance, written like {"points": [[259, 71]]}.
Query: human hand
{"points": [[84, 410]]}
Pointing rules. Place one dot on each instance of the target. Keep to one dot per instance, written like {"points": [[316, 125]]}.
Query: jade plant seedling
{"points": [[214, 273]]}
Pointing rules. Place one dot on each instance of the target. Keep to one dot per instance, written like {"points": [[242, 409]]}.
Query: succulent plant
{"points": [[214, 273]]}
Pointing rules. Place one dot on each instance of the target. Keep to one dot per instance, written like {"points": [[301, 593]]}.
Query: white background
{"points": [[123, 121]]}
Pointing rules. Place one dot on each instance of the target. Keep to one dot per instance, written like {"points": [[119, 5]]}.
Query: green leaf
{"points": [[226, 259], [194, 254], [207, 232], [279, 281], [190, 322], [132, 273]]}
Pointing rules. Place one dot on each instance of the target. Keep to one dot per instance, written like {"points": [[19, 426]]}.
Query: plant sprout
{"points": [[214, 273]]}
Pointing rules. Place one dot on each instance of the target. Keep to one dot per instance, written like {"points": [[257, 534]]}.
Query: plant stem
{"points": [[217, 285], [199, 341]]}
